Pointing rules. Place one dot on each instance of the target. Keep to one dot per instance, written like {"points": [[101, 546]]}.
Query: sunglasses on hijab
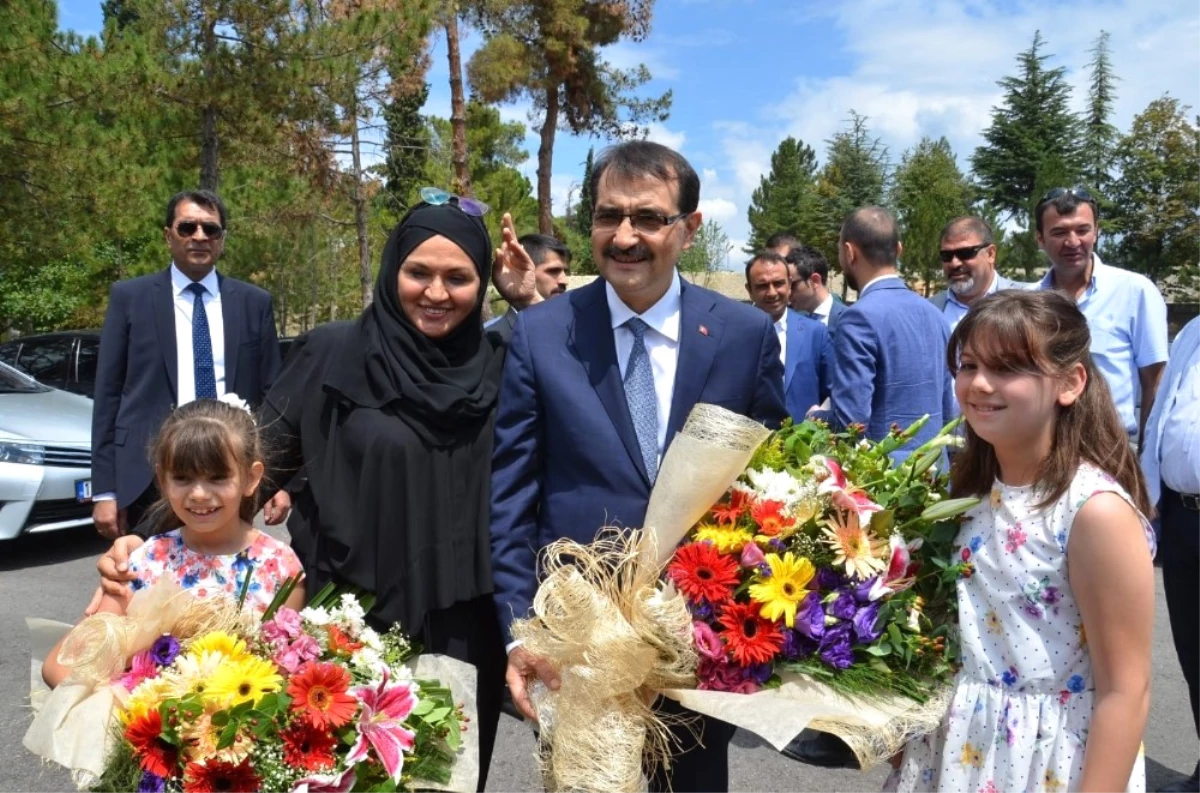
{"points": [[470, 206]]}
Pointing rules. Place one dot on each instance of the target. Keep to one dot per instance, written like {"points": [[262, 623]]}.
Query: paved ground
{"points": [[53, 575]]}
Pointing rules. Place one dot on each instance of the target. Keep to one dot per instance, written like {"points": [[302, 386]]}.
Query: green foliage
{"points": [[406, 146], [1156, 197], [1033, 132], [1099, 135], [786, 198], [928, 191], [709, 251]]}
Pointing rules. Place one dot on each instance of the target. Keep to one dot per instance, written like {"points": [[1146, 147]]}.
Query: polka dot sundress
{"points": [[1023, 701]]}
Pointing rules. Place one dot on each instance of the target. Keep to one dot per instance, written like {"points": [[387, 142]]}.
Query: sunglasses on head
{"points": [[962, 254], [470, 206], [1058, 192], [187, 228]]}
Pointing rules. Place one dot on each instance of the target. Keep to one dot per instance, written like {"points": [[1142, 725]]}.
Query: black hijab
{"points": [[446, 386]]}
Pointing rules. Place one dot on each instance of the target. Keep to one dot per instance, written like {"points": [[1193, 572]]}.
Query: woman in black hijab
{"points": [[391, 418]]}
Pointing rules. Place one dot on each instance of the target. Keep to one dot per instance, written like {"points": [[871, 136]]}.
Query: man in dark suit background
{"points": [[596, 385], [171, 337], [810, 287], [807, 351], [890, 350], [552, 267]]}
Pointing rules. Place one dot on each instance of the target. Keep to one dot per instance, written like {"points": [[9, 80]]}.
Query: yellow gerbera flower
{"points": [[146, 697], [246, 680], [853, 546], [228, 645], [726, 539], [192, 672], [782, 592]]}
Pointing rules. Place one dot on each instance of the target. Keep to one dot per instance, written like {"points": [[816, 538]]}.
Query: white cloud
{"points": [[629, 55], [721, 210], [660, 134]]}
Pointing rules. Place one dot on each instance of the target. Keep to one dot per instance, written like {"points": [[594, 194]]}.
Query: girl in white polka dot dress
{"points": [[1056, 618]]}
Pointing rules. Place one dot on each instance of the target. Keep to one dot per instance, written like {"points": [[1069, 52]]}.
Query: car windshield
{"points": [[14, 382]]}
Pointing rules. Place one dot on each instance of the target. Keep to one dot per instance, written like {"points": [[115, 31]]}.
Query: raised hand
{"points": [[513, 271]]}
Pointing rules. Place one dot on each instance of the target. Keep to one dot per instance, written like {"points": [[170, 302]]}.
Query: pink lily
{"points": [[381, 724], [842, 494], [901, 572], [326, 783]]}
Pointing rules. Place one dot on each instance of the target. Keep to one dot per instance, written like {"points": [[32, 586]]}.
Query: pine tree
{"points": [[406, 146], [786, 198], [1100, 137], [1032, 133]]}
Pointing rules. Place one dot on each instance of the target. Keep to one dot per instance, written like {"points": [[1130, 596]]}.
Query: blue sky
{"points": [[746, 73]]}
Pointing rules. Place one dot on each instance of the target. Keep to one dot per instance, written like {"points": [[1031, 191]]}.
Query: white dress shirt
{"points": [[184, 300], [874, 280], [662, 345], [781, 332], [822, 311], [1171, 448]]}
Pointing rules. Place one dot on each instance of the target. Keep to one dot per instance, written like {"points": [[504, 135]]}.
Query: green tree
{"points": [[928, 191], [786, 198], [550, 51], [710, 249], [1156, 197], [1099, 135], [581, 219], [1031, 132], [406, 146]]}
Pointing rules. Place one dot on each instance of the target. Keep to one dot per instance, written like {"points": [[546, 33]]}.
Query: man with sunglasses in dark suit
{"points": [[180, 334], [968, 254]]}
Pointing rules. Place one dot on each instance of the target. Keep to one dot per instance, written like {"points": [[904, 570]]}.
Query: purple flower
{"points": [[862, 592], [866, 629], [810, 617], [829, 579], [764, 570], [1051, 595], [706, 641], [719, 676], [777, 545], [797, 646], [151, 783], [760, 674], [752, 555], [835, 647], [702, 610], [164, 649], [843, 606]]}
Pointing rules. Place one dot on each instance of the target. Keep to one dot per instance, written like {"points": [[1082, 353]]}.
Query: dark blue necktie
{"points": [[202, 353]]}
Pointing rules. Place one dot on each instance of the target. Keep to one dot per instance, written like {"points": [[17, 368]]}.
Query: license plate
{"points": [[83, 489]]}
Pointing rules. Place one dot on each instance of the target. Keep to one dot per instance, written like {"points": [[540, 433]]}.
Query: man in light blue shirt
{"points": [[1126, 314], [1171, 462], [968, 254]]}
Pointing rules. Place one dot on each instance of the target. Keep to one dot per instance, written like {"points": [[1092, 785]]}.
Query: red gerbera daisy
{"points": [[730, 511], [217, 777], [153, 753], [318, 693], [770, 519], [703, 574], [750, 638], [304, 746]]}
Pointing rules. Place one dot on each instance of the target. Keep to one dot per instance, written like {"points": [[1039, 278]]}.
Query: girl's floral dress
{"points": [[267, 561], [1023, 700]]}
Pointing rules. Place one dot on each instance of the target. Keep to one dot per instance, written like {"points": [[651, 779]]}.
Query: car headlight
{"points": [[27, 453]]}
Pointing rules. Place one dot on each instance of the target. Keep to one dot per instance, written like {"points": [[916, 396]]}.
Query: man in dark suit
{"points": [[170, 337], [889, 354], [807, 350], [598, 383], [552, 267], [810, 287]]}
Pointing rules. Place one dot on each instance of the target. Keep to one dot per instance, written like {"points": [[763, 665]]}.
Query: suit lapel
{"points": [[164, 318], [592, 339], [699, 338], [231, 319]]}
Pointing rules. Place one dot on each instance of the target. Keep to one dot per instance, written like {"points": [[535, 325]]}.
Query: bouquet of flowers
{"points": [[309, 701], [826, 560]]}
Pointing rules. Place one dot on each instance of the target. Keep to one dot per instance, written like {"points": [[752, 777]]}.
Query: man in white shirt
{"points": [[1171, 462], [177, 335]]}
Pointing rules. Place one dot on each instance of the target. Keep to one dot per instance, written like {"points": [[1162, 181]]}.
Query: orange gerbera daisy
{"points": [[853, 545], [750, 638], [770, 519], [153, 753], [702, 573], [318, 693], [730, 511], [340, 644]]}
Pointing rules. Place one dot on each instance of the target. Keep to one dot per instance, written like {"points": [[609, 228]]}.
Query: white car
{"points": [[45, 457]]}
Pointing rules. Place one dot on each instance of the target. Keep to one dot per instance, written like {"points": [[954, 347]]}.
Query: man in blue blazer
{"points": [[810, 287], [890, 351], [168, 338], [598, 382], [807, 350]]}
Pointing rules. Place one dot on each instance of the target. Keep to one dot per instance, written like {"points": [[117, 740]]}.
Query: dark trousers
{"points": [[469, 632], [702, 760], [137, 512], [1179, 552]]}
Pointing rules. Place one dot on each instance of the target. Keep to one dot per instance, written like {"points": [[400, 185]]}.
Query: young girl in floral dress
{"points": [[209, 464], [1056, 618]]}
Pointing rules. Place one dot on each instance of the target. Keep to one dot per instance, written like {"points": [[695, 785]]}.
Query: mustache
{"points": [[637, 251]]}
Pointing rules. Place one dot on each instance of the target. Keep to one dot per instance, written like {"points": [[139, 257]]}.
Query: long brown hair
{"points": [[1044, 333], [197, 440]]}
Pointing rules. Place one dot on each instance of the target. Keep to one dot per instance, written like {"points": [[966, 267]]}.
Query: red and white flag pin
{"points": [[703, 331]]}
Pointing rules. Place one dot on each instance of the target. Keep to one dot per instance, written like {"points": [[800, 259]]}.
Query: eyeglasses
{"points": [[188, 228], [1058, 192], [470, 206], [643, 221], [962, 254]]}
